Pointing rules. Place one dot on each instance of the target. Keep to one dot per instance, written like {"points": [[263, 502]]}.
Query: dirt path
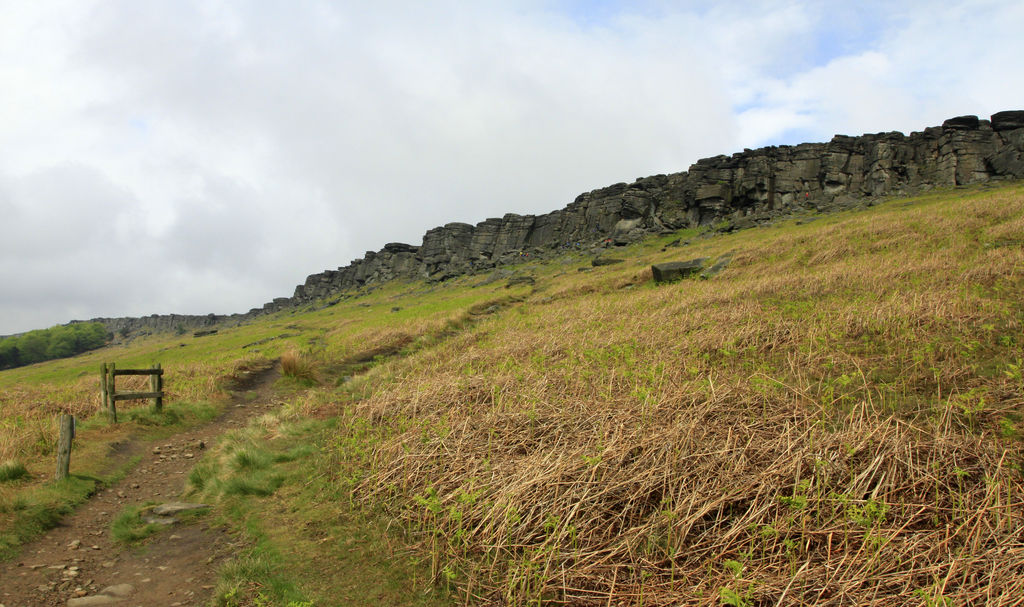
{"points": [[78, 564]]}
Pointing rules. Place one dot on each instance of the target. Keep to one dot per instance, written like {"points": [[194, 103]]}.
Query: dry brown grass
{"points": [[835, 420], [299, 366], [28, 411]]}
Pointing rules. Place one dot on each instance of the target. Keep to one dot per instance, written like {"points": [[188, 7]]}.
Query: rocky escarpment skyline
{"points": [[746, 189]]}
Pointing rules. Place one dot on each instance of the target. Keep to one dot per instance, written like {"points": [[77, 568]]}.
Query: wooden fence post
{"points": [[156, 384], [66, 423], [111, 391], [103, 387]]}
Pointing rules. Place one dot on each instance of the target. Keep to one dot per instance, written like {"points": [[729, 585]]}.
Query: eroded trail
{"points": [[78, 563]]}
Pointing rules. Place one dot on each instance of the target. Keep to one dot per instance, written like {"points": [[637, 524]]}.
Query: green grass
{"points": [[272, 482], [12, 471], [29, 512], [179, 414], [129, 528]]}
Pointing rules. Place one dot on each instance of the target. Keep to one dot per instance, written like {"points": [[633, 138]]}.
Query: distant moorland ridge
{"points": [[746, 189]]}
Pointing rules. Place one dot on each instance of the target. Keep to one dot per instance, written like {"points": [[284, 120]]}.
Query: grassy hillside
{"points": [[833, 419]]}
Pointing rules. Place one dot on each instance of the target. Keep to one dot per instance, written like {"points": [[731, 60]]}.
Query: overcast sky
{"points": [[206, 156]]}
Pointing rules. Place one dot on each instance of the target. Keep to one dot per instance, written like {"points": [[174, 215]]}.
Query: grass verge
{"points": [[30, 512], [308, 546]]}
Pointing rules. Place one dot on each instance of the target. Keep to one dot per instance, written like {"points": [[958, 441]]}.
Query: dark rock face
{"points": [[167, 323], [967, 123], [1008, 121], [730, 192], [738, 191]]}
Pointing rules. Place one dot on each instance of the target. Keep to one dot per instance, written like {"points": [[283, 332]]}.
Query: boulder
{"points": [[516, 281], [962, 123], [605, 261], [1008, 121], [677, 270]]}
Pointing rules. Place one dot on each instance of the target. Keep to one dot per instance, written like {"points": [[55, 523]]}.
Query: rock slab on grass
{"points": [[721, 264], [677, 270], [520, 280]]}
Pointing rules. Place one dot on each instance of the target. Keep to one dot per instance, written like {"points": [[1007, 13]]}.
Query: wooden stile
{"points": [[108, 387]]}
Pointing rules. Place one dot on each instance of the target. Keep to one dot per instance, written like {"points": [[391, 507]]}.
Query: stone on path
{"points": [[107, 596], [176, 507], [119, 590]]}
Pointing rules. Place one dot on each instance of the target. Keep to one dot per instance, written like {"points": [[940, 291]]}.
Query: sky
{"points": [[206, 156]]}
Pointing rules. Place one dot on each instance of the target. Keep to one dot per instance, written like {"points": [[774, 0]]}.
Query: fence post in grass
{"points": [[111, 391], [156, 385], [103, 387], [66, 423]]}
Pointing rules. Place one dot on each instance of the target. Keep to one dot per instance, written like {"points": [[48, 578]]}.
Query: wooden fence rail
{"points": [[108, 387]]}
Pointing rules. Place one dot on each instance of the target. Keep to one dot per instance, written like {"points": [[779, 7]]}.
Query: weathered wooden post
{"points": [[103, 387], [156, 385], [66, 424], [111, 392]]}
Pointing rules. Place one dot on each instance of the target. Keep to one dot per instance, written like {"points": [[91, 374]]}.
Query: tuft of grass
{"points": [[257, 484], [128, 526], [295, 453], [299, 367], [12, 471], [250, 458], [256, 578]]}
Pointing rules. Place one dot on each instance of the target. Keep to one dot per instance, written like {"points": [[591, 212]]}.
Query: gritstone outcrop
{"points": [[742, 190], [747, 188]]}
